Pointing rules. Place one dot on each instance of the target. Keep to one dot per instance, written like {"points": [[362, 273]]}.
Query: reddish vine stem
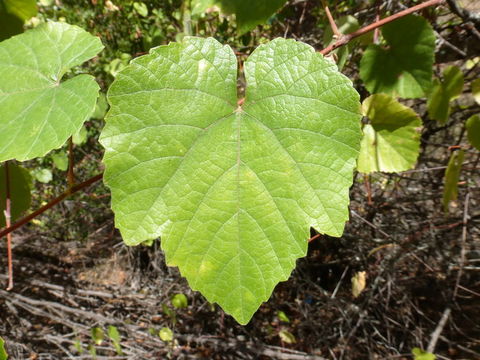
{"points": [[71, 164], [345, 39], [8, 215], [51, 204]]}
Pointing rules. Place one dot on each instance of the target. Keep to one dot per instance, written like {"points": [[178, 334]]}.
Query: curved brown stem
{"points": [[345, 39], [51, 204]]}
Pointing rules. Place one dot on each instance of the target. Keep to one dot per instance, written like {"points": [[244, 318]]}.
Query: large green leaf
{"points": [[473, 131], [391, 139], [403, 67], [232, 191], [20, 182], [39, 112], [452, 175], [443, 92]]}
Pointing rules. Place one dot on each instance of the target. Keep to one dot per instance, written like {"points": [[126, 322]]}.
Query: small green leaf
{"points": [[179, 301], [200, 6], [404, 67], [452, 175], [20, 182], [419, 354], [391, 139], [473, 131], [166, 334], [3, 352], [80, 137], [13, 14], [282, 316], [92, 351], [476, 90], [443, 92], [60, 160], [101, 107], [78, 346], [114, 335], [42, 175], [140, 8], [232, 191], [39, 112], [97, 335], [250, 13], [287, 337]]}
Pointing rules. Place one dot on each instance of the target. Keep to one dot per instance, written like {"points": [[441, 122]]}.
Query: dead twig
{"points": [[438, 330]]}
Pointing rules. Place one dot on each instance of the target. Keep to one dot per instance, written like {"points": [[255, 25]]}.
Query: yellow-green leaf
{"points": [[391, 138], [452, 175], [232, 191], [473, 131]]}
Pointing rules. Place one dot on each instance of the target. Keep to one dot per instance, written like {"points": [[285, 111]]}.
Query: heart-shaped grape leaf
{"points": [[391, 139], [39, 112], [404, 67], [231, 190]]}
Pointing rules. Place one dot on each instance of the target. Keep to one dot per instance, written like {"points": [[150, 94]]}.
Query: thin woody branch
{"points": [[333, 25], [345, 39], [51, 204]]}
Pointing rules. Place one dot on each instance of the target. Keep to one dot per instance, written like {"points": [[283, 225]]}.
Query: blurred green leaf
{"points": [[419, 354], [282, 316], [452, 175], [80, 137], [97, 335], [405, 66], [250, 13], [23, 9], [78, 346], [60, 159], [476, 90], [391, 139], [20, 191], [443, 92], [473, 131], [101, 107], [180, 301], [3, 352], [166, 334], [114, 335], [140, 8], [287, 337], [42, 175]]}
